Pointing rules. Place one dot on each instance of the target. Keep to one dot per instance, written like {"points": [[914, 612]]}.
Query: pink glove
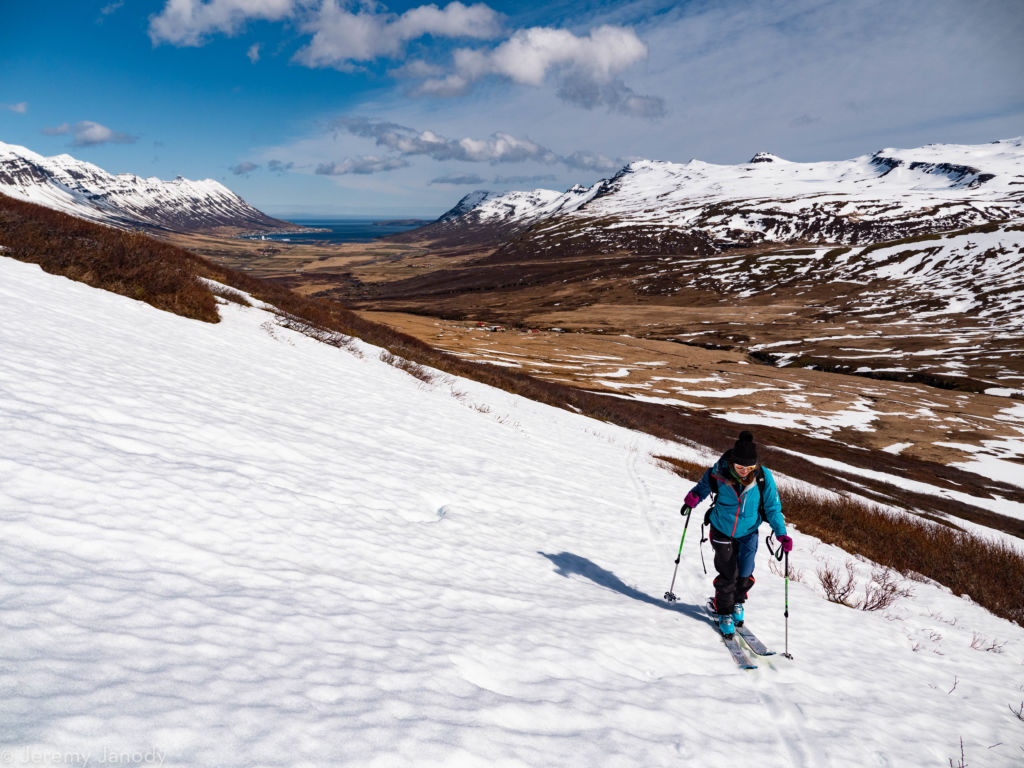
{"points": [[691, 500], [786, 542]]}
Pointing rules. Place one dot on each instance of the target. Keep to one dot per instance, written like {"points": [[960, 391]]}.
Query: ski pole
{"points": [[787, 654], [670, 596]]}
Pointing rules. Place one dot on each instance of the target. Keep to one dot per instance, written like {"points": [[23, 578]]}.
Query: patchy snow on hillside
{"points": [[231, 545], [887, 195]]}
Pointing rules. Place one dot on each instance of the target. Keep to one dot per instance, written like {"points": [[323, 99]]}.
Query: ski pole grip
{"points": [[685, 510]]}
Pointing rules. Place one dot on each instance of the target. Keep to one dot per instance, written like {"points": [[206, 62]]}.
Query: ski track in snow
{"points": [[230, 545]]}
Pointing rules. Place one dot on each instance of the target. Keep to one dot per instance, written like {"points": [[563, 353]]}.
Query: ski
{"points": [[753, 642], [737, 652], [732, 643]]}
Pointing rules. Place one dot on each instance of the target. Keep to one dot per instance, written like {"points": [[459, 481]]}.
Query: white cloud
{"points": [[592, 161], [530, 53], [498, 148], [86, 133], [341, 38], [189, 22], [21, 107], [585, 68], [361, 165], [244, 168]]}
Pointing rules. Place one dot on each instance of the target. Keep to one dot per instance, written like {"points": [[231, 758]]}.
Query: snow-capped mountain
{"points": [[124, 200], [664, 207], [481, 215]]}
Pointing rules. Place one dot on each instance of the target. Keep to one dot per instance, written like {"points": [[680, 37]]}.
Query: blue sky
{"points": [[333, 108]]}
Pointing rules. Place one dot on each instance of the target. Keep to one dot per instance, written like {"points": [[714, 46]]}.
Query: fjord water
{"points": [[348, 230]]}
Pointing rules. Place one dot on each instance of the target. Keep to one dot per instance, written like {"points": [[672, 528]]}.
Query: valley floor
{"points": [[983, 433]]}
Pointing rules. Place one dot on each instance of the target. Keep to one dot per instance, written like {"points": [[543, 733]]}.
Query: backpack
{"points": [[758, 476]]}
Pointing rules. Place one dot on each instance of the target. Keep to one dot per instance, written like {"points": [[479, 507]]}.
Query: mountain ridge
{"points": [[124, 200], [886, 195]]}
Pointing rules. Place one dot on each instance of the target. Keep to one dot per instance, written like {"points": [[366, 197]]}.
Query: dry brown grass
{"points": [[129, 263]]}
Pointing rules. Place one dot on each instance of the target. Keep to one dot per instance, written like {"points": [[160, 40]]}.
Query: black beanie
{"points": [[745, 452]]}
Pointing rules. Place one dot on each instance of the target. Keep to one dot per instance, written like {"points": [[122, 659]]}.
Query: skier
{"points": [[745, 495]]}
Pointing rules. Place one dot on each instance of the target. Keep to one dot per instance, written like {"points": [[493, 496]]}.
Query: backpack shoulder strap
{"points": [[761, 483], [713, 482]]}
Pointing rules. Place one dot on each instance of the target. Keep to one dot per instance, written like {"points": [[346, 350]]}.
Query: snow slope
{"points": [[87, 191], [230, 545]]}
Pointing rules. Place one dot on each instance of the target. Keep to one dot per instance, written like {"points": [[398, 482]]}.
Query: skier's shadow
{"points": [[568, 564]]}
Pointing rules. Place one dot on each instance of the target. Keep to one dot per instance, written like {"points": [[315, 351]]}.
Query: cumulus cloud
{"points": [[592, 161], [21, 107], [190, 22], [347, 35], [277, 166], [464, 180], [88, 134], [361, 166], [498, 148], [587, 92], [243, 168], [586, 68], [342, 38], [253, 53]]}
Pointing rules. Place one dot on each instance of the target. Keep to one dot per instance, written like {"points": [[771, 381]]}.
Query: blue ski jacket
{"points": [[736, 511]]}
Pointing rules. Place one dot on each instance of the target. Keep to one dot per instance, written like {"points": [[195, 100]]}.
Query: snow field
{"points": [[231, 545]]}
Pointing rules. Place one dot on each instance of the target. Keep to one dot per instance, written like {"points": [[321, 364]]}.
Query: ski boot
{"points": [[737, 614], [726, 625]]}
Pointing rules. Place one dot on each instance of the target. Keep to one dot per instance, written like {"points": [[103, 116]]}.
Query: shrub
{"points": [[128, 263], [837, 589], [228, 294], [413, 369], [882, 591]]}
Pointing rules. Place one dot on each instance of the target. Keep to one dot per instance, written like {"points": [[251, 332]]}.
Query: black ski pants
{"points": [[734, 561]]}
